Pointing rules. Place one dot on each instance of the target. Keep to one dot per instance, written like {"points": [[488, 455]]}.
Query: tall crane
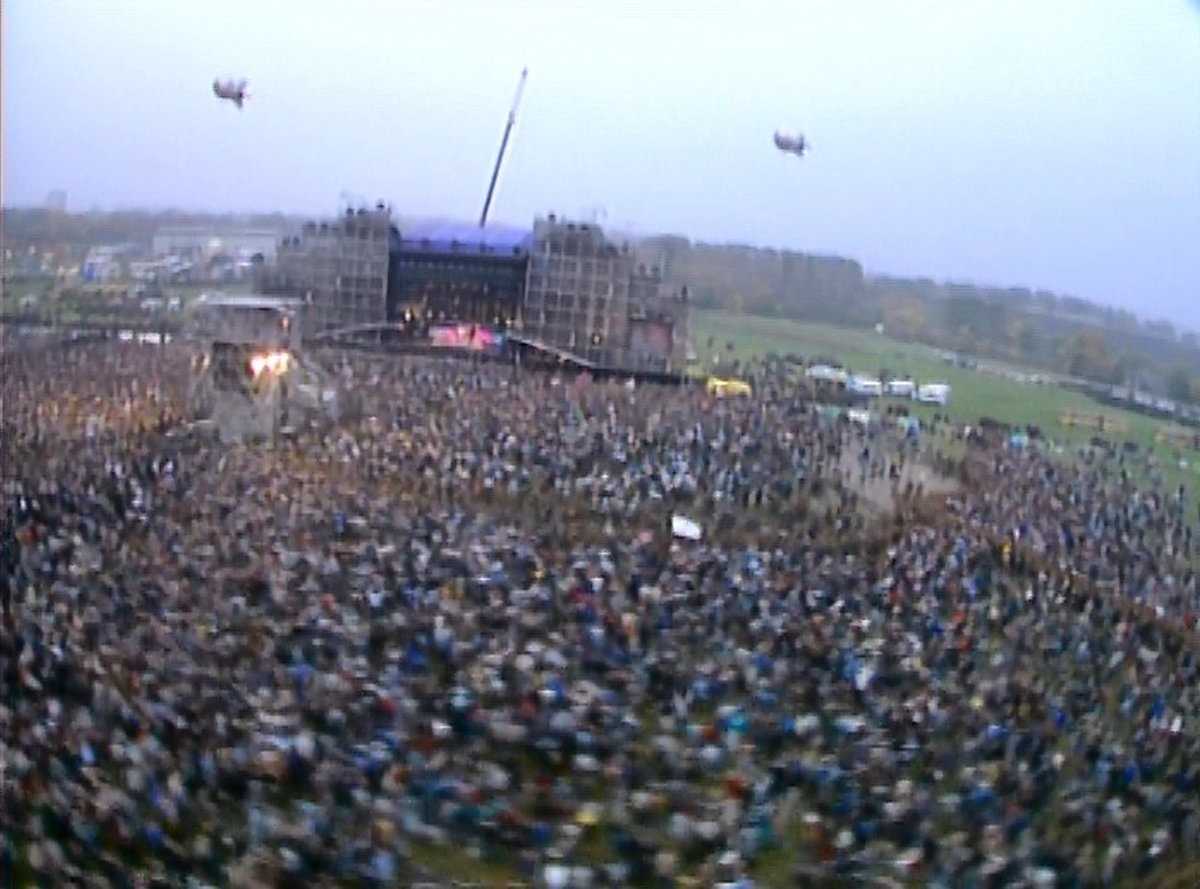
{"points": [[512, 118]]}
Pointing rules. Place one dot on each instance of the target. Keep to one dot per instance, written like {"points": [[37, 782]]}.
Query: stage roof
{"points": [[441, 236]]}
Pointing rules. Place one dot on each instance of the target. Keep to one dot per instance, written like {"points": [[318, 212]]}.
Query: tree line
{"points": [[1055, 332]]}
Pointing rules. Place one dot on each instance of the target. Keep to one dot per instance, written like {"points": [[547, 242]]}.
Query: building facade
{"points": [[196, 240], [339, 269], [590, 297]]}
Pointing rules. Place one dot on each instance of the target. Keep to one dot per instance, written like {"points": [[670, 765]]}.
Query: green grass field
{"points": [[975, 393]]}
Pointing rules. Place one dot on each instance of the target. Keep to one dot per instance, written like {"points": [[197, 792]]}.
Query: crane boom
{"points": [[512, 118]]}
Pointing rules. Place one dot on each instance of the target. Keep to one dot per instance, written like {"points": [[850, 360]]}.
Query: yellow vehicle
{"points": [[721, 388]]}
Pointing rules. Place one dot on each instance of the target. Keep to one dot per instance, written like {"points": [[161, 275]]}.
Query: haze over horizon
{"points": [[1049, 146]]}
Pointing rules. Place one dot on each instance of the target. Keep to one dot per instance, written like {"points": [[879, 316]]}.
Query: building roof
{"points": [[247, 301], [444, 236]]}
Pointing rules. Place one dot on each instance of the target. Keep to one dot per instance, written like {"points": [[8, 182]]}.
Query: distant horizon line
{"points": [[1182, 327]]}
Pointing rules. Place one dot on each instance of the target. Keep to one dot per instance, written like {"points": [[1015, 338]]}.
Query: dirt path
{"points": [[879, 494]]}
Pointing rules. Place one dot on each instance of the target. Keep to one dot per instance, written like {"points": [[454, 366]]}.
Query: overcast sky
{"points": [[1047, 144]]}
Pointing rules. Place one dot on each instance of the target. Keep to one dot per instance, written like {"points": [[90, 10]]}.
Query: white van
{"points": [[865, 386], [900, 388], [933, 393], [827, 373]]}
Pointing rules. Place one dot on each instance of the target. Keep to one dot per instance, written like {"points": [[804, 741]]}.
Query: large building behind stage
{"points": [[339, 268], [562, 288], [590, 297]]}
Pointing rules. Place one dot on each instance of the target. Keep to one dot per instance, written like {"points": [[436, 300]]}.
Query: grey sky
{"points": [[1049, 144]]}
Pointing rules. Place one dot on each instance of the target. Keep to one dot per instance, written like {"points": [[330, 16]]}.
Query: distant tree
{"points": [[1027, 339], [1087, 354], [904, 316], [1073, 305], [1046, 299], [1180, 385], [1130, 366], [1161, 328], [981, 322], [1126, 320]]}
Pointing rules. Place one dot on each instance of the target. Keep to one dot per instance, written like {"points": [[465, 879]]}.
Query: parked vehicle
{"points": [[933, 393], [865, 386]]}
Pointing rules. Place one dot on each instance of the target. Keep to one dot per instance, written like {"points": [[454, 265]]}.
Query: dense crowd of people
{"points": [[454, 632]]}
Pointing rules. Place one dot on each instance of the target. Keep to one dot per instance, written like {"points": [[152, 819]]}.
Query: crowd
{"points": [[454, 632]]}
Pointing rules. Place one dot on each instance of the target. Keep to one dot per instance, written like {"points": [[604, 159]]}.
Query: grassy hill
{"points": [[976, 393]]}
